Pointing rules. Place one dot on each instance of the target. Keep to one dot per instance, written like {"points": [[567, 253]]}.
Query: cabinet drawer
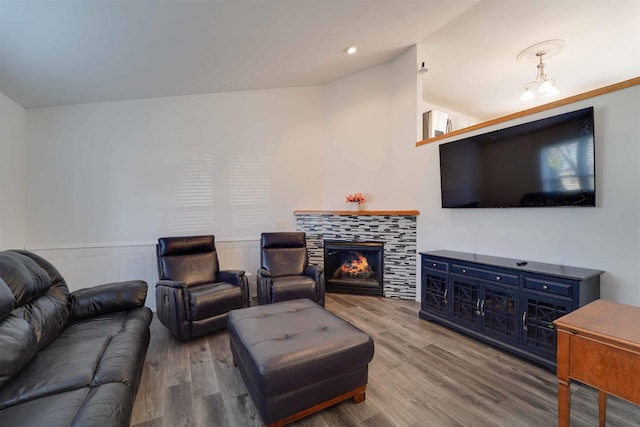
{"points": [[494, 276], [549, 287], [435, 265]]}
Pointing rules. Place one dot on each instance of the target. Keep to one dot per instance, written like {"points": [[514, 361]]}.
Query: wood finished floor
{"points": [[422, 374]]}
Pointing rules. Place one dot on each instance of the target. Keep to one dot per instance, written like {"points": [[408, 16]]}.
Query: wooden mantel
{"points": [[360, 213]]}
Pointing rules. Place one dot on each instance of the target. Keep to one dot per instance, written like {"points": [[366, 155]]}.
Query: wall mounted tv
{"points": [[548, 162]]}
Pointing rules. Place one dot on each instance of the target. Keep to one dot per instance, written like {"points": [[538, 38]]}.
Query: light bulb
{"points": [[552, 91], [351, 50], [546, 86], [527, 95]]}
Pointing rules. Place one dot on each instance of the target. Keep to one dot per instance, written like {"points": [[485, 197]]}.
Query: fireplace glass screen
{"points": [[353, 267]]}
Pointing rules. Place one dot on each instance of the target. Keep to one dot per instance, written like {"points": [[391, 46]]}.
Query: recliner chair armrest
{"points": [[264, 286], [317, 273], [263, 272], [313, 271], [172, 284], [231, 276], [108, 298], [236, 277]]}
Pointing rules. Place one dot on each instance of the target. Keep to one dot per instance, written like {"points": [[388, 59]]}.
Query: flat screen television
{"points": [[548, 162]]}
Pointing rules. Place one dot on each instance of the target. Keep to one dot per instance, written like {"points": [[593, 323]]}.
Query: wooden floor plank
{"points": [[150, 398], [422, 374], [203, 374], [179, 410]]}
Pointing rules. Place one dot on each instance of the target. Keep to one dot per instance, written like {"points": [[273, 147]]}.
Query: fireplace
{"points": [[353, 267]]}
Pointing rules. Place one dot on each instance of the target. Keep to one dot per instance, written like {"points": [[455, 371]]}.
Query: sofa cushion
{"points": [[58, 410], [26, 279], [17, 346], [41, 294], [192, 260], [122, 359], [99, 350], [108, 405], [286, 288], [192, 269], [212, 299], [283, 253], [60, 367], [7, 300]]}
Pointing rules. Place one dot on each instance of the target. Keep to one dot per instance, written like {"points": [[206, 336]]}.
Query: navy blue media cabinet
{"points": [[506, 302]]}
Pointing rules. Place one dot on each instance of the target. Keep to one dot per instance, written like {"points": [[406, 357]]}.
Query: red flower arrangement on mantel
{"points": [[356, 198]]}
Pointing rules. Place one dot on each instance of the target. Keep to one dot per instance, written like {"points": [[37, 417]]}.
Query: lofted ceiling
{"points": [[58, 52], [472, 61], [61, 52]]}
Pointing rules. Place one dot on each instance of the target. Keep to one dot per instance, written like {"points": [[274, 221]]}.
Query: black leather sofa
{"points": [[68, 359]]}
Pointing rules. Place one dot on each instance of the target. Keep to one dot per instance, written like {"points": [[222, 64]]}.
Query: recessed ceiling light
{"points": [[351, 50]]}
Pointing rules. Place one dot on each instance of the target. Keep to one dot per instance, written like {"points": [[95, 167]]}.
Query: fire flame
{"points": [[355, 267]]}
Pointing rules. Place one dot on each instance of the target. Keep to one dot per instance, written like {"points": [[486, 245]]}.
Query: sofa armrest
{"points": [[107, 298]]}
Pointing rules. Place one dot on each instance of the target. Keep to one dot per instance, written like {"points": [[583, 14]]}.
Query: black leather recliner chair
{"points": [[285, 273], [193, 296]]}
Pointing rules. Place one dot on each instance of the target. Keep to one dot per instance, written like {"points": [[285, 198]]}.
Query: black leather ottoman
{"points": [[296, 358]]}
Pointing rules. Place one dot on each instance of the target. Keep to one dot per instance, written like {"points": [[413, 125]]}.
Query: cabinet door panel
{"points": [[500, 313], [465, 300], [434, 297], [539, 312]]}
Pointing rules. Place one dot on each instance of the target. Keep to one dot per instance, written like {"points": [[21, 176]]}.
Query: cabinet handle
{"points": [[478, 307], [524, 321], [482, 308], [464, 271], [444, 297], [497, 277], [434, 264], [545, 287]]}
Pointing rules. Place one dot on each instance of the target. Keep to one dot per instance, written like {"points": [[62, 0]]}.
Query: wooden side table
{"points": [[599, 345]]}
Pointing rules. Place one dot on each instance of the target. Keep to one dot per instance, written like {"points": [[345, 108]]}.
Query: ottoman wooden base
{"points": [[358, 396], [296, 358]]}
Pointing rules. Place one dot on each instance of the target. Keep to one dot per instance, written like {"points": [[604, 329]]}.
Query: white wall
{"points": [[606, 237], [107, 175], [370, 132], [131, 171], [108, 179], [12, 174]]}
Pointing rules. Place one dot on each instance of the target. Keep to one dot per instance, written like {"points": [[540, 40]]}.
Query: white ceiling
{"points": [[472, 60], [60, 52]]}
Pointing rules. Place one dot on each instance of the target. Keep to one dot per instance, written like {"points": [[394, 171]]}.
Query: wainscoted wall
{"points": [[90, 265], [398, 232], [13, 176]]}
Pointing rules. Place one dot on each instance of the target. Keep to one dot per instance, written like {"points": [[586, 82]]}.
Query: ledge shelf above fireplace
{"points": [[383, 213]]}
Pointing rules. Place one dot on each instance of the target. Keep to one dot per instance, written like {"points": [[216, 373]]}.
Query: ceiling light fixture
{"points": [[542, 85], [351, 50]]}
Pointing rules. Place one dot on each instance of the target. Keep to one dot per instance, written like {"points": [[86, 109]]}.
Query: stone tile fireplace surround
{"points": [[397, 229]]}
